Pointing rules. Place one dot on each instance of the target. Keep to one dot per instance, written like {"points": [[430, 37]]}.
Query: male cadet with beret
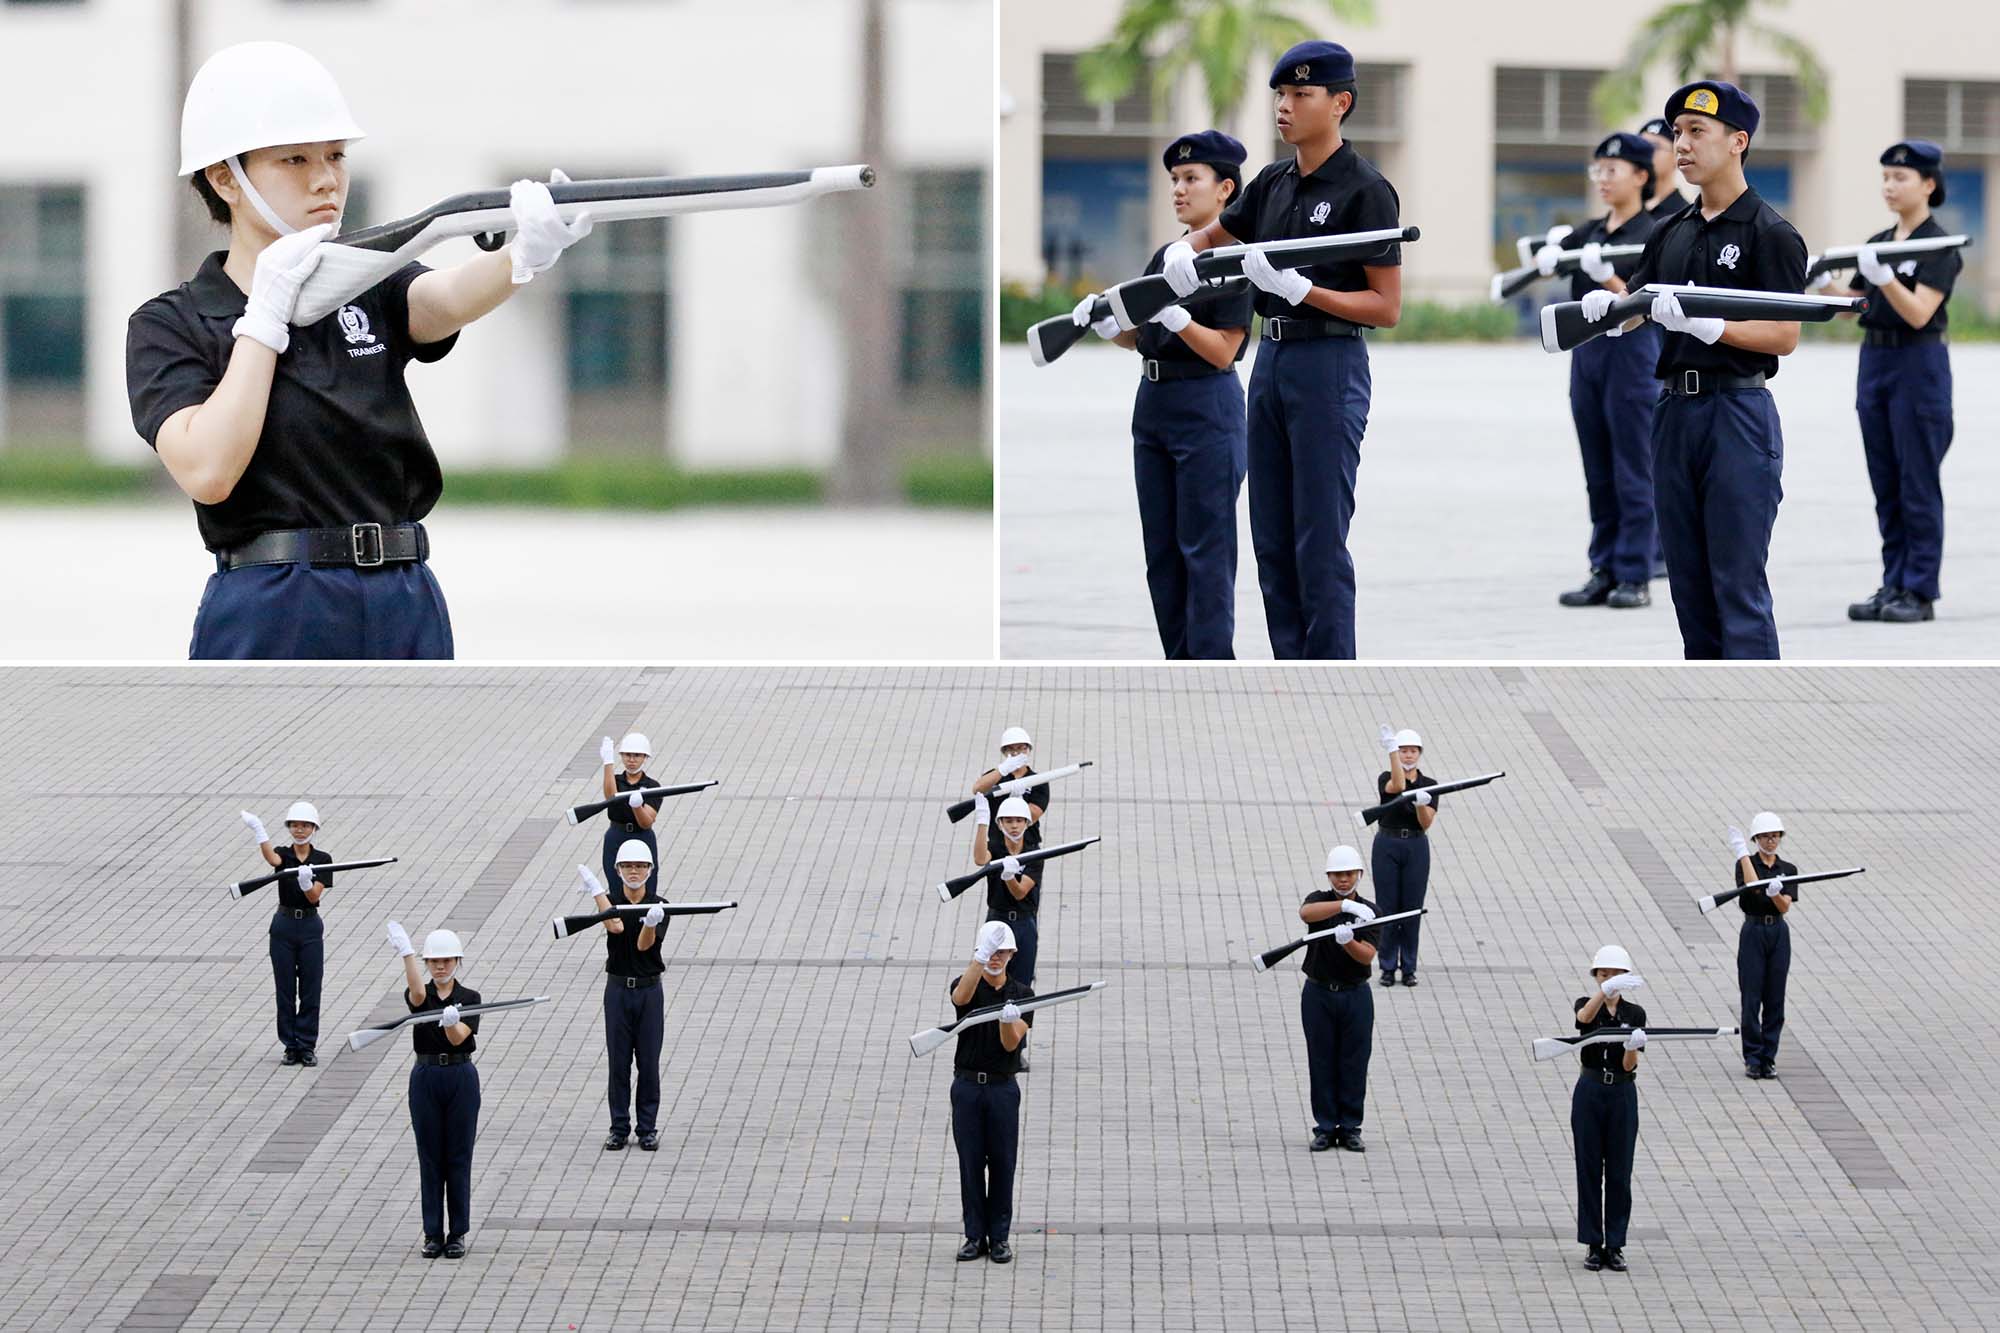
{"points": [[1309, 392], [1664, 198], [1718, 450], [1903, 389]]}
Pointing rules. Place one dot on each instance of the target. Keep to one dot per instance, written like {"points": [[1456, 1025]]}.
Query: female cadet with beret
{"points": [[1189, 433], [298, 936]]}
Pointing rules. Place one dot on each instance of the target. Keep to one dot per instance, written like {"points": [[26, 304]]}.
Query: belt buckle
{"points": [[1152, 372], [358, 539], [1275, 327], [1691, 383], [1607, 1076]]}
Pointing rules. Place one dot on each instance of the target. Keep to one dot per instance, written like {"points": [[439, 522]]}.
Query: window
{"points": [[1378, 103], [1782, 123], [1065, 110], [1545, 106], [944, 285], [1956, 114], [41, 285]]}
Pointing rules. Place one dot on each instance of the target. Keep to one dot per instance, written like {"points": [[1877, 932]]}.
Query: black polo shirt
{"points": [[1668, 204], [622, 955], [621, 814], [341, 442], [1346, 193], [979, 1049], [1404, 817], [1328, 961], [1747, 245], [290, 895], [1036, 796], [1757, 902], [1937, 270], [1608, 1057], [1635, 230], [1225, 307], [429, 1038], [999, 902]]}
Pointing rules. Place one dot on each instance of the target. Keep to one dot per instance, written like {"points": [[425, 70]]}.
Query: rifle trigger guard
{"points": [[490, 241]]}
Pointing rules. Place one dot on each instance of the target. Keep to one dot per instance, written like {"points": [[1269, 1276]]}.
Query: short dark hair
{"points": [[217, 206], [1348, 88]]}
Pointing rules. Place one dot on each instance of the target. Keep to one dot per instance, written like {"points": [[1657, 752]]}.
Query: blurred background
{"points": [[835, 352]]}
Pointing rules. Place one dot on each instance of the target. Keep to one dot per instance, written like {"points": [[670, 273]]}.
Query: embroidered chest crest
{"points": [[1730, 254], [1321, 212]]}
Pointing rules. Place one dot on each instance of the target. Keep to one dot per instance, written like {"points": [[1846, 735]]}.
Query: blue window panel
{"points": [[1095, 227]]}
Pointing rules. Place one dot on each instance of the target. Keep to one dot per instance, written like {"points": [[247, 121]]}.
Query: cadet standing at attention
{"points": [[298, 936], [1903, 389], [634, 819], [1401, 853], [1335, 1008], [1664, 197], [1764, 944], [1604, 1110], [985, 1099], [635, 1003], [1309, 391], [1611, 389], [1188, 444], [444, 1086], [1718, 449]]}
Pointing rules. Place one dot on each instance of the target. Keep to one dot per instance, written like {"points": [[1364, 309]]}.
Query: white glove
{"points": [[635, 800], [982, 812], [654, 916], [1173, 319], [449, 1016], [1595, 266], [588, 885], [1596, 303], [1546, 259], [1343, 934], [1667, 313], [607, 751], [256, 827], [282, 269], [1011, 764], [1421, 798], [1010, 1012], [1873, 267], [1177, 264], [1637, 1041], [1107, 328], [1288, 284], [1388, 735], [304, 874], [982, 953], [1557, 233], [540, 234], [1775, 887], [1738, 843], [1822, 282], [1010, 867], [1356, 908], [399, 940], [1080, 315], [1621, 983]]}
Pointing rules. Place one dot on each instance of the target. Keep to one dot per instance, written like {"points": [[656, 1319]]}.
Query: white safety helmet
{"points": [[443, 944], [1015, 736], [632, 850], [1014, 808], [636, 743], [1343, 857], [1408, 737], [303, 812], [260, 95], [1612, 956], [995, 936], [1764, 821]]}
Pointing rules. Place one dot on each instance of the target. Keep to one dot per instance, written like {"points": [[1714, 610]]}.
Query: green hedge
{"points": [[1021, 308], [71, 475], [949, 481]]}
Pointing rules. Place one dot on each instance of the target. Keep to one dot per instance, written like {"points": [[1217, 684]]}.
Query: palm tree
{"points": [[1694, 36], [1221, 37]]}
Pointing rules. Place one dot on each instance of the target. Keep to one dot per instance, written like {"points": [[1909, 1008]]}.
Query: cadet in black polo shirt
{"points": [[1663, 197], [1335, 1008], [444, 1086], [1764, 943], [301, 449], [1611, 389], [1013, 891], [1017, 752], [1718, 450], [1188, 442], [985, 1099], [298, 937], [634, 819], [1309, 391], [1604, 1110], [1400, 856], [1903, 389], [635, 1004]]}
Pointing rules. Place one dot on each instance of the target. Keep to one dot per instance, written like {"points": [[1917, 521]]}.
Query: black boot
{"points": [[1614, 1259], [1627, 595], [1593, 592], [1906, 608], [1595, 1259], [1872, 608]]}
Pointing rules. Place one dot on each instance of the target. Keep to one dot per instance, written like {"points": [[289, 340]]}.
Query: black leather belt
{"points": [[1288, 328], [974, 1076], [1338, 986], [298, 913], [1695, 383], [1900, 337], [1761, 920], [1016, 915], [448, 1058], [631, 983], [1163, 372], [361, 546], [629, 828], [1400, 832], [1609, 1075]]}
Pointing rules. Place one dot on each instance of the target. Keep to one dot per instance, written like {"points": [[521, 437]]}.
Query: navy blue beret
{"points": [[1658, 127], [1319, 63], [1712, 97], [1921, 156], [1210, 146], [1629, 147]]}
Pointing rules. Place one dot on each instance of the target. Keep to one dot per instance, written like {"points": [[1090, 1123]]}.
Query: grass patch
{"points": [[949, 481], [1020, 309], [1435, 321], [632, 484], [71, 475]]}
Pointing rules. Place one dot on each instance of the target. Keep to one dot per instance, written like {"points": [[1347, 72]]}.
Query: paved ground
{"points": [[1472, 516], [530, 584], [161, 1170]]}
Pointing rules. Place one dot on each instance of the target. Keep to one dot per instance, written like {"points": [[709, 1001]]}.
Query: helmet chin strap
{"points": [[264, 210]]}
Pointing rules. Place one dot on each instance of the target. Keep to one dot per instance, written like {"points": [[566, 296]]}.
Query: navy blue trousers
{"points": [[986, 1126], [1340, 1036], [444, 1112], [1717, 463], [298, 611], [614, 838], [298, 961], [1308, 411], [1188, 460], [1903, 395], [635, 1027], [1611, 395], [1402, 870], [1027, 944], [1763, 958], [1604, 1121]]}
